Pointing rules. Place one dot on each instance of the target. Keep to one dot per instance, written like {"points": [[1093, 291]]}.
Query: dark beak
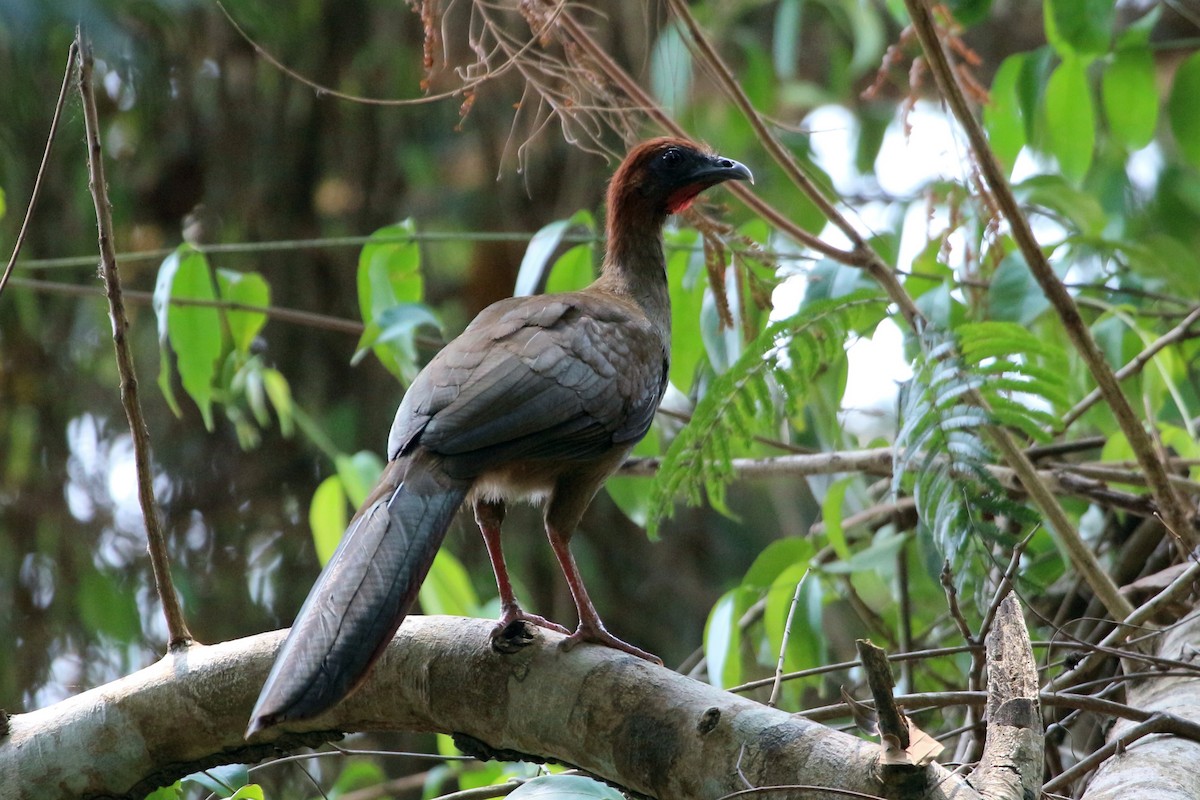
{"points": [[718, 169]]}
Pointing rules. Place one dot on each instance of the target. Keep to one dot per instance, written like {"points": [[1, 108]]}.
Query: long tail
{"points": [[362, 596]]}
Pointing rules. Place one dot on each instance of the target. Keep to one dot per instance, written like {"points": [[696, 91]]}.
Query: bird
{"points": [[540, 398]]}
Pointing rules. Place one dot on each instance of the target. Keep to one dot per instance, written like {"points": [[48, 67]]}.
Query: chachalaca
{"points": [[541, 398]]}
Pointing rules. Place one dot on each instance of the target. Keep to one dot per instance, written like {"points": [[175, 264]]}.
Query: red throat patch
{"points": [[680, 199]]}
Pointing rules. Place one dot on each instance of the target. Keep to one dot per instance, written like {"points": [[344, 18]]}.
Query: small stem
{"points": [[178, 633], [787, 632], [72, 52], [1176, 334]]}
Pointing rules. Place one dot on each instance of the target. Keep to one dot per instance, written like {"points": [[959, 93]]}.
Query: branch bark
{"points": [[644, 727], [1012, 753], [1162, 765]]}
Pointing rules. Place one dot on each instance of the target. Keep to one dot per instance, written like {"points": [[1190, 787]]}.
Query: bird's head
{"points": [[663, 176]]}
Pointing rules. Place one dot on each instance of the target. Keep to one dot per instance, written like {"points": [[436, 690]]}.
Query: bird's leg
{"points": [[590, 629], [490, 516]]}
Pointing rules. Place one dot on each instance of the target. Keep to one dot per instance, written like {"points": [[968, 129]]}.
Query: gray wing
{"points": [[561, 377]]}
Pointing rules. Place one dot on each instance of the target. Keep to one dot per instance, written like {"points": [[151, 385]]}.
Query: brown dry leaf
{"points": [[864, 715], [922, 748]]}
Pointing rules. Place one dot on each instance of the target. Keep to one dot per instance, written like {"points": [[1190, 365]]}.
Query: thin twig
{"points": [[1135, 365], [1179, 587], [880, 512], [1156, 724], [176, 625], [787, 632], [862, 255], [1173, 510], [947, 580], [306, 318], [72, 52], [930, 700], [644, 102]]}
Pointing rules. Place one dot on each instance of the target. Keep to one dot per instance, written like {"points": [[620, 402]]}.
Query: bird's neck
{"points": [[634, 267]]}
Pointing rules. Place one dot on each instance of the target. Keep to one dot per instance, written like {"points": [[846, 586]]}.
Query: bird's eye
{"points": [[671, 156]]}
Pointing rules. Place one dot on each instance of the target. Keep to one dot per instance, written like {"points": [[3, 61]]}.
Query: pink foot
{"points": [[513, 613], [596, 634]]}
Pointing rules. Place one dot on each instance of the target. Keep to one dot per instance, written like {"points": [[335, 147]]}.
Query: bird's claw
{"points": [[596, 634], [512, 631]]}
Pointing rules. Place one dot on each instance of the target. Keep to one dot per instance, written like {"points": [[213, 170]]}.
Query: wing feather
{"points": [[536, 379]]}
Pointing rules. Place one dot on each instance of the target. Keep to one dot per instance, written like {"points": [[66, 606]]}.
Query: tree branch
{"points": [[177, 629], [1161, 767], [1135, 365], [644, 727], [1012, 753]]}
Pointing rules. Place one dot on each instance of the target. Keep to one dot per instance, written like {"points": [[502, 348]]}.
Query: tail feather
{"points": [[360, 599]]}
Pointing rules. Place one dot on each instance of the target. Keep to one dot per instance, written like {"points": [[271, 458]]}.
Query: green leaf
{"points": [[1003, 117], [280, 394], [877, 558], [1077, 209], [356, 775], [565, 787], [161, 303], [447, 589], [1168, 262], [389, 270], [1013, 294], [671, 70], [328, 514], [171, 792], [941, 450], [968, 12], [632, 495], [107, 606], [1130, 97], [195, 331], [783, 362], [392, 336], [1079, 27], [687, 281], [1183, 108], [359, 473], [223, 779], [572, 271], [786, 38], [1070, 119], [831, 512], [779, 556], [866, 29], [532, 274], [389, 276], [249, 289], [1031, 90], [723, 638]]}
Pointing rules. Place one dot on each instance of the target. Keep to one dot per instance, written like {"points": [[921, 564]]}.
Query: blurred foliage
{"points": [[255, 195]]}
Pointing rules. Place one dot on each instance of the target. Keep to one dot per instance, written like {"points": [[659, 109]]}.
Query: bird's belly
{"points": [[533, 480]]}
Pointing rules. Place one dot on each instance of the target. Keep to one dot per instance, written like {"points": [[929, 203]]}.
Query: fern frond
{"points": [[941, 441], [782, 361]]}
